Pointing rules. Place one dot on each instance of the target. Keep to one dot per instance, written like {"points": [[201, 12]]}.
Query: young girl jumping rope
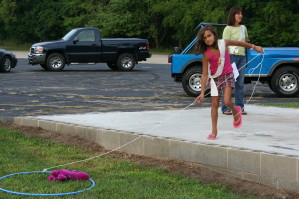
{"points": [[217, 67]]}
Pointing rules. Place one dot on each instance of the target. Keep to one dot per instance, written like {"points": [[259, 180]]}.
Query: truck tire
{"points": [[270, 86], [55, 62], [285, 81], [191, 81], [5, 64], [44, 67], [112, 66], [126, 62]]}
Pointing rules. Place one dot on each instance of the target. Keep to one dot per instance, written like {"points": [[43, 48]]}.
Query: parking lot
{"points": [[29, 90]]}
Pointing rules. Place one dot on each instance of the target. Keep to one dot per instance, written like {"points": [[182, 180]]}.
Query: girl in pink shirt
{"points": [[207, 44]]}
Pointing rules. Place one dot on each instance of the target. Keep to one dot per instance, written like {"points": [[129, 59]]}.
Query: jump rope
{"points": [[122, 146]]}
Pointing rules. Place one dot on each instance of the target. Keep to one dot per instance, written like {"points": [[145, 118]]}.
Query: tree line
{"points": [[166, 23]]}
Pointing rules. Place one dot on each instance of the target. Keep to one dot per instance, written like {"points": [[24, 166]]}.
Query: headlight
{"points": [[38, 49]]}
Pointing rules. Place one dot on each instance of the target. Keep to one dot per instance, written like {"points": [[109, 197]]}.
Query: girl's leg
{"points": [[228, 102], [233, 59], [214, 114]]}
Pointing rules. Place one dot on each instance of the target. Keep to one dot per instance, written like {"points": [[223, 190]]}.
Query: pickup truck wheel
{"points": [[44, 67], [5, 64], [112, 66], [270, 86], [285, 81], [55, 62], [126, 62], [191, 81]]}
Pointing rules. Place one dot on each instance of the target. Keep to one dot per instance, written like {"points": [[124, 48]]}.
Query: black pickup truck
{"points": [[85, 45]]}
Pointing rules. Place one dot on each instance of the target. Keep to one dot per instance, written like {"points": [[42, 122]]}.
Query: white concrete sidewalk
{"points": [[267, 129]]}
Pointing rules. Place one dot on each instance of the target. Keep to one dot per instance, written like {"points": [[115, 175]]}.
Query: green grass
{"points": [[284, 105], [13, 46], [161, 51], [114, 178]]}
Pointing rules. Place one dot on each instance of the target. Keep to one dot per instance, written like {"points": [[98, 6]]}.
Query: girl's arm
{"points": [[204, 77], [244, 44]]}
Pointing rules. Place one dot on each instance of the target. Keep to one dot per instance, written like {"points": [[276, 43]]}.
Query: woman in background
{"points": [[237, 32]]}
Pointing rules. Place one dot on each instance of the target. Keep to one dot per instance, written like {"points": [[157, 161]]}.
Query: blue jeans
{"points": [[239, 91]]}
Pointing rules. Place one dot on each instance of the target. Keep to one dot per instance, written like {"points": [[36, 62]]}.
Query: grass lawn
{"points": [[115, 178], [284, 105], [13, 46]]}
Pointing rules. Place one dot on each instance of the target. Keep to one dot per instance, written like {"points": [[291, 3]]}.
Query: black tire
{"points": [[285, 81], [112, 66], [44, 66], [270, 86], [55, 62], [126, 62], [6, 64], [191, 81]]}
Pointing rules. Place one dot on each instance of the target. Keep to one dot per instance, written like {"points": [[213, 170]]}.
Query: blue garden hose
{"points": [[40, 194]]}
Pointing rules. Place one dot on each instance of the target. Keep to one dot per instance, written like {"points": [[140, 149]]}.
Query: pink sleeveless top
{"points": [[213, 60]]}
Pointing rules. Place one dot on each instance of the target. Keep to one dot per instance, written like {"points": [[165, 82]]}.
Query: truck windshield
{"points": [[68, 35]]}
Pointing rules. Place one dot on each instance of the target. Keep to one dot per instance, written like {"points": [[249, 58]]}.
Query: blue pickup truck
{"points": [[280, 68]]}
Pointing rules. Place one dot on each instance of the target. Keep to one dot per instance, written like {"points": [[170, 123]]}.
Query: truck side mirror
{"points": [[76, 39]]}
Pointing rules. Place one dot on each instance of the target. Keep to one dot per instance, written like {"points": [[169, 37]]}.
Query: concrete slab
{"points": [[265, 129]]}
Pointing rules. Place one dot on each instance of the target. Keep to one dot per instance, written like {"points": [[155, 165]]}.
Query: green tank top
{"points": [[236, 34]]}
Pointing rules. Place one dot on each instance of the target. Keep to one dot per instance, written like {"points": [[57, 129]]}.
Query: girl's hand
{"points": [[258, 49], [200, 98]]}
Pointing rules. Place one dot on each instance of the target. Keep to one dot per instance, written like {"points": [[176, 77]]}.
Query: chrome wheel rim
{"points": [[56, 62], [7, 64], [126, 62], [288, 82], [195, 82]]}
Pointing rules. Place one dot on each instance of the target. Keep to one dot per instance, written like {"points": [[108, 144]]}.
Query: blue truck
{"points": [[279, 68]]}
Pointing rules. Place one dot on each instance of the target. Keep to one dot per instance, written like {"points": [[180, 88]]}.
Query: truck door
{"points": [[84, 47], [253, 68]]}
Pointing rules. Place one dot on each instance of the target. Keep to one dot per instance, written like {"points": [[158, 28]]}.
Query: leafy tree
{"points": [[8, 16], [30, 20], [81, 13], [172, 27], [46, 25], [125, 18], [166, 23], [276, 23]]}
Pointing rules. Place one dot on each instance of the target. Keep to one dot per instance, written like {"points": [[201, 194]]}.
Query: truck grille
{"points": [[32, 50]]}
